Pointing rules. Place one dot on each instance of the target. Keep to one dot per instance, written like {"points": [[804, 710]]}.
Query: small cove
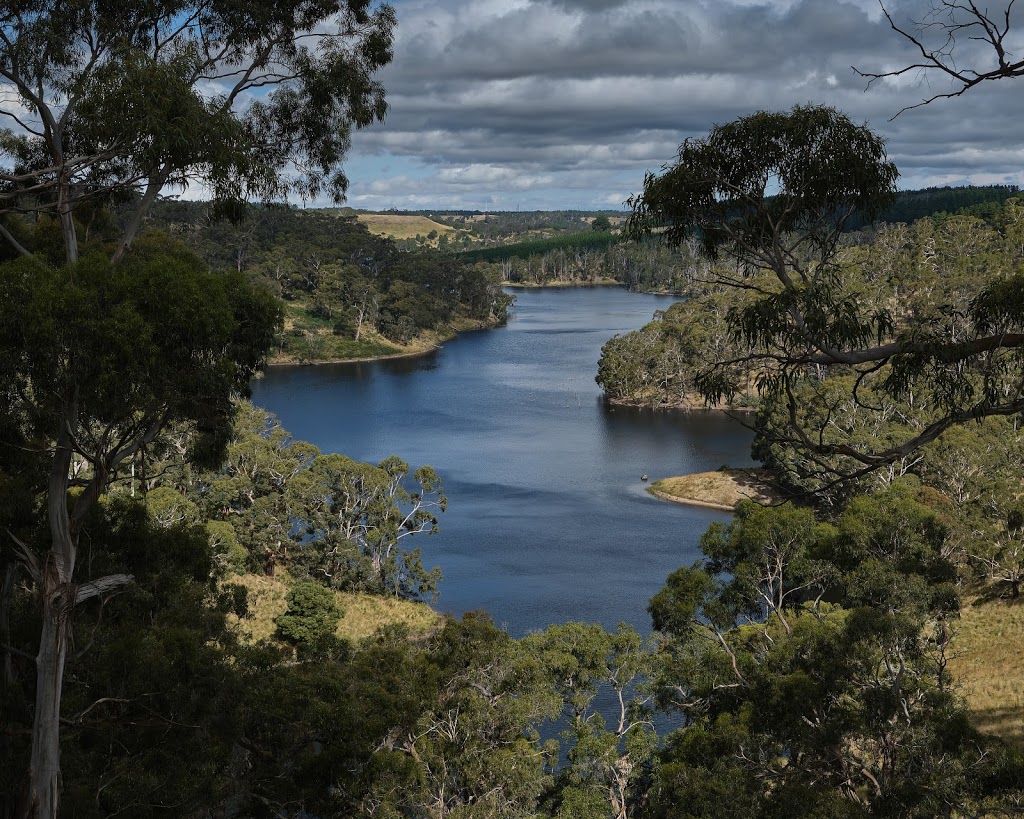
{"points": [[548, 519]]}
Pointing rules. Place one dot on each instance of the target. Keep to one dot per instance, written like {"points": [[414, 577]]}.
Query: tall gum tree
{"points": [[96, 360], [112, 104], [771, 194], [252, 100]]}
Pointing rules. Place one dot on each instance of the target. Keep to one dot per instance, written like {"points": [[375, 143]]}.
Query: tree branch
{"points": [[102, 586]]}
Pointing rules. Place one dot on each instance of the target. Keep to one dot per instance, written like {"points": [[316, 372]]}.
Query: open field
{"points": [[719, 490], [987, 651], [401, 227], [364, 613]]}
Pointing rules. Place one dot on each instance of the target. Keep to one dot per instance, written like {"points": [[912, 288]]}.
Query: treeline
{"points": [[597, 257], [509, 227], [920, 272], [592, 240], [971, 200], [587, 257], [348, 293]]}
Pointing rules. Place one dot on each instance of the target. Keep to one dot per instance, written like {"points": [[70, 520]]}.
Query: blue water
{"points": [[548, 520]]}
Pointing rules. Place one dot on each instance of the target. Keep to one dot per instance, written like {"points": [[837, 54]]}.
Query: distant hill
{"points": [[909, 206], [398, 226]]}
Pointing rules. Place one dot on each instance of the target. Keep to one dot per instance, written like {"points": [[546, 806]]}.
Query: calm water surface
{"points": [[548, 520]]}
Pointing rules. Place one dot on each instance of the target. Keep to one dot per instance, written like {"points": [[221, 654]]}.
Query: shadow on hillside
{"points": [[1007, 723], [996, 593]]}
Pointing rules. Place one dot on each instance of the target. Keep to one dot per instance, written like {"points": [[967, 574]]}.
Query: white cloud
{"points": [[571, 101]]}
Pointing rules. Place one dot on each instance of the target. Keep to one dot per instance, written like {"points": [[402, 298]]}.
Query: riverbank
{"points": [[322, 347], [692, 402], [723, 489], [560, 283]]}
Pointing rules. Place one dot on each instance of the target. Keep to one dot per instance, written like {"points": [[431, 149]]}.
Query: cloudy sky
{"points": [[548, 104]]}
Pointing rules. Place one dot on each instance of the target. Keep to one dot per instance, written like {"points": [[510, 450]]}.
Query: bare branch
{"points": [[961, 20], [28, 558]]}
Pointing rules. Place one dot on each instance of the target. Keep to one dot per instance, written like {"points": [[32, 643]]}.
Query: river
{"points": [[548, 519]]}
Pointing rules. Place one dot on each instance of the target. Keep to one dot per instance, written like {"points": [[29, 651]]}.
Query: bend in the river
{"points": [[548, 519]]}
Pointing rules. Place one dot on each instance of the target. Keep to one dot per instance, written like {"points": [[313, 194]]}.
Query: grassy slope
{"points": [[988, 665], [401, 227], [364, 613]]}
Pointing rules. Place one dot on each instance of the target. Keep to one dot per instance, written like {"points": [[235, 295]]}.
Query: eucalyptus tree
{"points": [[810, 663], [768, 196], [111, 104], [119, 101], [95, 360]]}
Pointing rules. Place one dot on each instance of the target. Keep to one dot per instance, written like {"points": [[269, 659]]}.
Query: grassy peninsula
{"points": [[722, 489]]}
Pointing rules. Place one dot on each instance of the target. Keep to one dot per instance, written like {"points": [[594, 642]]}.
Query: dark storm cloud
{"points": [[491, 98]]}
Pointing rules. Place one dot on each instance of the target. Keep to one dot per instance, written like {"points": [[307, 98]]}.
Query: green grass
{"points": [[325, 346]]}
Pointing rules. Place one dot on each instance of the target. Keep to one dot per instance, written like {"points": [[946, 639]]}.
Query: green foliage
{"points": [[605, 764], [338, 281], [157, 335], [311, 618], [592, 240], [474, 750], [123, 89], [662, 363], [323, 516], [147, 719], [799, 707], [909, 206], [825, 167]]}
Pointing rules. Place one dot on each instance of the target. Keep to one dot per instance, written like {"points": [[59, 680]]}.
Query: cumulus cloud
{"points": [[567, 103]]}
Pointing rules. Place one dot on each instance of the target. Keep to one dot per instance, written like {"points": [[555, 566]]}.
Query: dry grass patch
{"points": [[720, 490], [364, 613], [266, 603], [402, 227], [988, 665]]}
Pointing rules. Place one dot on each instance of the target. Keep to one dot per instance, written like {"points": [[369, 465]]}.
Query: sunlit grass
{"points": [[989, 667], [402, 227], [722, 489], [364, 614]]}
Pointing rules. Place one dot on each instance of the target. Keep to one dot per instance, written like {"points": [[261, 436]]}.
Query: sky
{"points": [[566, 104]]}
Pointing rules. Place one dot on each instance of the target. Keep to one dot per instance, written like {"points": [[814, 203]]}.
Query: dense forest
{"points": [[346, 292], [599, 256], [231, 675]]}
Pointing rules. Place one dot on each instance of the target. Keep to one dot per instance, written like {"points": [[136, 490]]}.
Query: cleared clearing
{"points": [[719, 490], [401, 227]]}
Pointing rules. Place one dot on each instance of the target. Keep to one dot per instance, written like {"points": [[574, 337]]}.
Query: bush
{"points": [[311, 618]]}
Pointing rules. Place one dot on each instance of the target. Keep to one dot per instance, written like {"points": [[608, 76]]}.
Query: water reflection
{"points": [[548, 519]]}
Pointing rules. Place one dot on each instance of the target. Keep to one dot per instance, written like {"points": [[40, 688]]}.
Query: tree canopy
{"points": [[251, 100], [770, 193]]}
